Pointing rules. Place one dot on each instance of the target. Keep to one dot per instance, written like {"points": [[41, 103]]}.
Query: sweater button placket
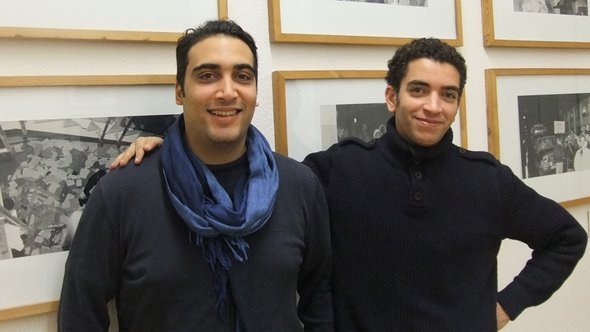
{"points": [[418, 176], [417, 196]]}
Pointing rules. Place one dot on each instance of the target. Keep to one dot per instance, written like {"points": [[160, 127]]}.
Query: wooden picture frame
{"points": [[329, 22], [305, 103], [505, 26], [105, 21], [60, 117], [534, 116]]}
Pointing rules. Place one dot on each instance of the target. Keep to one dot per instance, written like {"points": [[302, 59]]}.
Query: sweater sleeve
{"points": [[91, 271], [315, 297], [556, 238]]}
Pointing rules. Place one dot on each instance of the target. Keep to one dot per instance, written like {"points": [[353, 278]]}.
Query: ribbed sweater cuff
{"points": [[513, 300]]}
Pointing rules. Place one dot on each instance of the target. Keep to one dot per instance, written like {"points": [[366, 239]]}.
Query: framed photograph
{"points": [[539, 125], [315, 109], [58, 135], [536, 23], [364, 22], [109, 20]]}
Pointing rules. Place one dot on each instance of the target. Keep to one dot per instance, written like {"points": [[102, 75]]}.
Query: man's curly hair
{"points": [[430, 48]]}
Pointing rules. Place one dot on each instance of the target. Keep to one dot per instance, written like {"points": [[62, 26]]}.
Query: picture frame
{"points": [[329, 22], [313, 108], [535, 120], [108, 20], [507, 25], [57, 136]]}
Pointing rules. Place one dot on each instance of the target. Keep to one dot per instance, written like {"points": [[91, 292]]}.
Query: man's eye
{"points": [[206, 76], [451, 95], [244, 76], [416, 90]]}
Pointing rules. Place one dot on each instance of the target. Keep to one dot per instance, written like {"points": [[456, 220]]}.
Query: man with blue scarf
{"points": [[215, 232]]}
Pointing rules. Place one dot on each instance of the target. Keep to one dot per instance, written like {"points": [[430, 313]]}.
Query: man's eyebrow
{"points": [[205, 66], [417, 82], [243, 66], [423, 83], [214, 66]]}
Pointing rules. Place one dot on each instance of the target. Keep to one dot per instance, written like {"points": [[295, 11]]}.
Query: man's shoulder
{"points": [[133, 175], [477, 156], [350, 146], [288, 165]]}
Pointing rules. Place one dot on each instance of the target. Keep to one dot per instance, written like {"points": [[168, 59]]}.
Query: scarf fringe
{"points": [[220, 263], [220, 289]]}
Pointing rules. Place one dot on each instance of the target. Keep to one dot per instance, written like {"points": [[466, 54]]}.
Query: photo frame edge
{"points": [[101, 35], [28, 310], [85, 80], [492, 113], [463, 118], [280, 112]]}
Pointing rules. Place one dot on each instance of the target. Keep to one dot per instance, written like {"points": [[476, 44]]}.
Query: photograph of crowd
{"points": [[421, 3], [554, 134], [48, 169], [564, 7]]}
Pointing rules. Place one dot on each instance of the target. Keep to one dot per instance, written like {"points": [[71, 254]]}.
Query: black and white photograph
{"points": [[48, 169], [554, 133], [422, 3], [363, 121], [563, 7]]}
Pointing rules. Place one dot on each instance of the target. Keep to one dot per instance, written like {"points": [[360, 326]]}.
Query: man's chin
{"points": [[427, 141]]}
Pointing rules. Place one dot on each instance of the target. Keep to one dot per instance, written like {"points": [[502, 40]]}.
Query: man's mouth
{"points": [[429, 121], [224, 112]]}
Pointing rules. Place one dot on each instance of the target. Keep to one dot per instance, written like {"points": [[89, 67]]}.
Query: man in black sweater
{"points": [[417, 222]]}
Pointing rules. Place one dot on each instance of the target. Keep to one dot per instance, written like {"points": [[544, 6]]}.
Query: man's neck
{"points": [[218, 154]]}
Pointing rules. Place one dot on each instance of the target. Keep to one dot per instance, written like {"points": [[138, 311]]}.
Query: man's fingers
{"points": [[123, 158], [137, 149]]}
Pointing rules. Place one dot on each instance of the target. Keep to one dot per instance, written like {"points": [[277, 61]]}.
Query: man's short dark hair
{"points": [[430, 48], [206, 30]]}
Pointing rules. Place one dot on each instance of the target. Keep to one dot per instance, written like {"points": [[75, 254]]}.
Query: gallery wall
{"points": [[565, 311]]}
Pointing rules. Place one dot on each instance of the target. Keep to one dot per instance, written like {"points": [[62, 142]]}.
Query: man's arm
{"points": [[315, 296], [557, 239], [92, 271]]}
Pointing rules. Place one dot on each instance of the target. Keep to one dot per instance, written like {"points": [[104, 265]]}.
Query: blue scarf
{"points": [[217, 224]]}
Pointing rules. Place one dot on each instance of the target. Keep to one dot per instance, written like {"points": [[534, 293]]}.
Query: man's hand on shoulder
{"points": [[138, 148]]}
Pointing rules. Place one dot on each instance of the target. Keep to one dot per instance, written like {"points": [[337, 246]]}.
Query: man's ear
{"points": [[390, 98], [179, 94]]}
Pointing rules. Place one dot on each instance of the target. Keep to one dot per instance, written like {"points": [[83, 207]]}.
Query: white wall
{"points": [[566, 311]]}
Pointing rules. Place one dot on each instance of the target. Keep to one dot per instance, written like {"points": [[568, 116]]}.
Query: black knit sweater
{"points": [[416, 232]]}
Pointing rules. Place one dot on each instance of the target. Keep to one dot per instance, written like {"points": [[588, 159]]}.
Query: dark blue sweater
{"points": [[416, 231], [132, 246]]}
